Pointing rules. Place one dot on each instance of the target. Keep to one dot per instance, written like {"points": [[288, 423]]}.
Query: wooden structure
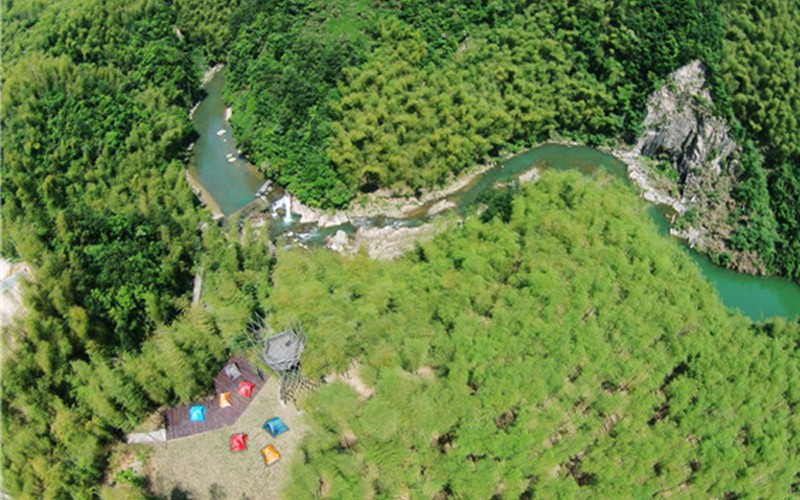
{"points": [[178, 423], [282, 352]]}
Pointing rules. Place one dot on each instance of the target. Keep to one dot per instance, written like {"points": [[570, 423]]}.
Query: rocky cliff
{"points": [[680, 127], [686, 158]]}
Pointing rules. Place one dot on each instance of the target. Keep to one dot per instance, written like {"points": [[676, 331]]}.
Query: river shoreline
{"points": [[383, 203], [204, 196], [393, 206], [387, 225]]}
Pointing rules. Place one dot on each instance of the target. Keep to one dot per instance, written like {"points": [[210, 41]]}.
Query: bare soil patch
{"points": [[352, 377]]}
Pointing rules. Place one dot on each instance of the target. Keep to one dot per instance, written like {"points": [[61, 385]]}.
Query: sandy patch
{"points": [[440, 206], [211, 72], [529, 176], [204, 196], [11, 278], [386, 243], [352, 377], [426, 372]]}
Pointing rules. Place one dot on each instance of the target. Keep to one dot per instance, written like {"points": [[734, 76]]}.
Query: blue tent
{"points": [[275, 426], [197, 413]]}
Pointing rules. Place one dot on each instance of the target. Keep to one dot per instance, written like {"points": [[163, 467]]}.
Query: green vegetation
{"points": [[94, 198], [420, 92], [568, 352], [760, 67], [564, 347], [289, 56]]}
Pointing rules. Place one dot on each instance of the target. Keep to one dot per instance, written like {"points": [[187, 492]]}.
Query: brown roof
{"points": [[177, 418]]}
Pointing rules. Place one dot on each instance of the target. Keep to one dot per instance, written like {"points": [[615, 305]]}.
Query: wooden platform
{"points": [[177, 419]]}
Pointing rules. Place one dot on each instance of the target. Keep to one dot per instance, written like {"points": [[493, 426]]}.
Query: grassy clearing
{"points": [[202, 466]]}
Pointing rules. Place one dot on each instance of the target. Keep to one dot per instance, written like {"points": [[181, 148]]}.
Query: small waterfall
{"points": [[287, 217], [284, 202]]}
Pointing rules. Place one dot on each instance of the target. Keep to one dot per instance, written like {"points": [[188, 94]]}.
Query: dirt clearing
{"points": [[203, 467]]}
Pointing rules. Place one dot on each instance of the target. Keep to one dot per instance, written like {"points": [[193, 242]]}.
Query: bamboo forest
{"points": [[518, 249]]}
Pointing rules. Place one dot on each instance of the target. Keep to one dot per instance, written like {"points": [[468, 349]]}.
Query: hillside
{"points": [[568, 352]]}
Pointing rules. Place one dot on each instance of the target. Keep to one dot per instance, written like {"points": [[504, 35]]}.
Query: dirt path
{"points": [[352, 377]]}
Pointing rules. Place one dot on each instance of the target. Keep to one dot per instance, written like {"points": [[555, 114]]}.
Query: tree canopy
{"points": [[335, 97], [570, 351], [554, 345]]}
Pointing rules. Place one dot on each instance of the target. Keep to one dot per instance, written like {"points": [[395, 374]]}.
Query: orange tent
{"points": [[224, 399], [246, 388], [271, 455], [239, 442]]}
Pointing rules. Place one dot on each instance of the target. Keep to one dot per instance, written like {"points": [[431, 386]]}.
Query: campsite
{"points": [[203, 465]]}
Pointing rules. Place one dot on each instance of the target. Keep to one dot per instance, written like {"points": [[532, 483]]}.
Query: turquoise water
{"points": [[231, 184], [549, 156], [759, 298]]}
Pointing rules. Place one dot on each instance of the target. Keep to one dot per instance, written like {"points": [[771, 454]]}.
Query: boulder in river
{"points": [[337, 242]]}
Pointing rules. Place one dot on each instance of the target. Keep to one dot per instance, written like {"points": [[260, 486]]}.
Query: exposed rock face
{"points": [[681, 128], [686, 158], [383, 243], [11, 278]]}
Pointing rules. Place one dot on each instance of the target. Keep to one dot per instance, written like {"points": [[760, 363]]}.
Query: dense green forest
{"points": [[335, 97], [94, 117], [760, 66], [570, 352], [554, 378], [419, 92]]}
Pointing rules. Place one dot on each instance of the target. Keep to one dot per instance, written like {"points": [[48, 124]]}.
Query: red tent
{"points": [[239, 442], [246, 388]]}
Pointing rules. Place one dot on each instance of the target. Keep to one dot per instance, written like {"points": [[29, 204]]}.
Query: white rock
{"points": [[338, 241]]}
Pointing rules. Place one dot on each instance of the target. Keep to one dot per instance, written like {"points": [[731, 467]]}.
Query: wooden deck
{"points": [[177, 419]]}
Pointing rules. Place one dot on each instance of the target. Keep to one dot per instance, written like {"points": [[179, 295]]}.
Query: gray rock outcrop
{"points": [[338, 242], [687, 158], [680, 127]]}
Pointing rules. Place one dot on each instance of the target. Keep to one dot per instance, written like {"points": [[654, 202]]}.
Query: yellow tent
{"points": [[224, 399], [271, 455]]}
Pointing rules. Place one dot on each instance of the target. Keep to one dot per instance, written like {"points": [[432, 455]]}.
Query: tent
{"points": [[224, 399], [239, 442], [271, 455], [246, 388], [275, 426], [197, 413], [232, 370]]}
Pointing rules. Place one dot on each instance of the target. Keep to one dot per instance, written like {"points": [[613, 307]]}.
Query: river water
{"points": [[233, 183], [229, 180]]}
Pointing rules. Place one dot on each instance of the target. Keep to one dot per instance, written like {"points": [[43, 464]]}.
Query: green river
{"points": [[227, 178], [233, 183]]}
